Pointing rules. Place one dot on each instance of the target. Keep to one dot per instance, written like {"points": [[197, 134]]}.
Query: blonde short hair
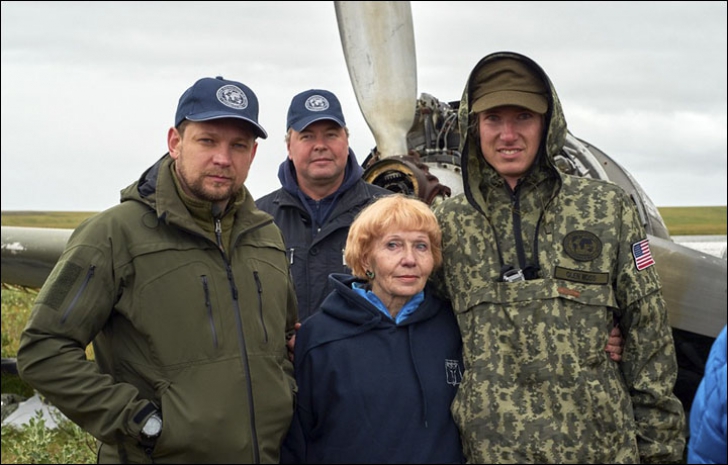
{"points": [[385, 214]]}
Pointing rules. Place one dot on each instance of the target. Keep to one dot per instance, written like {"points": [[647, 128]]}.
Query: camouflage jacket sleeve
{"points": [[649, 362], [650, 371]]}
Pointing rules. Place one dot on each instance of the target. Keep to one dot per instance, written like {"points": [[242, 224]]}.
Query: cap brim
{"points": [[529, 100], [259, 131], [299, 126]]}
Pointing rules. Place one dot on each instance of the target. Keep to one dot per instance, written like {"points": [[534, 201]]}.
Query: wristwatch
{"points": [[153, 426]]}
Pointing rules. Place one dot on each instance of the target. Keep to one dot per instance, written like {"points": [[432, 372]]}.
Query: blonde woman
{"points": [[378, 367]]}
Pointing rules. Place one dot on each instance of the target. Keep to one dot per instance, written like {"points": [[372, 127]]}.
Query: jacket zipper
{"points": [[517, 234], [241, 342], [84, 284], [259, 285], [208, 305], [218, 234]]}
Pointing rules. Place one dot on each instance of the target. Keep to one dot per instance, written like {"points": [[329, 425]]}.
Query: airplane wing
{"points": [[29, 254]]}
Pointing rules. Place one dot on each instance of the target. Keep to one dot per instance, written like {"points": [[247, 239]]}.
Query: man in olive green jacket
{"points": [[184, 291], [537, 264]]}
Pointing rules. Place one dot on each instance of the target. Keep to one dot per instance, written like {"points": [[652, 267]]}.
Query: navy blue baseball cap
{"points": [[210, 99], [314, 105]]}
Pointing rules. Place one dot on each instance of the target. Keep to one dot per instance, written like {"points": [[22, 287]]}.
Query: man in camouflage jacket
{"points": [[537, 264]]}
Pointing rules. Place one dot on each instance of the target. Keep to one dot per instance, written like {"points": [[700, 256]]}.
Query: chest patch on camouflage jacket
{"points": [[582, 245]]}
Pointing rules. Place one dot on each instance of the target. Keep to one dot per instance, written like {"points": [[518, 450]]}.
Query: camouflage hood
{"points": [[478, 175]]}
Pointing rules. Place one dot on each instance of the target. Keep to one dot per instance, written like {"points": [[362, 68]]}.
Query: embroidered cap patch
{"points": [[317, 103], [232, 96]]}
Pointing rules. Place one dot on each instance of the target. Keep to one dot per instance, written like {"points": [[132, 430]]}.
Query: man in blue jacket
{"points": [[708, 413], [321, 192]]}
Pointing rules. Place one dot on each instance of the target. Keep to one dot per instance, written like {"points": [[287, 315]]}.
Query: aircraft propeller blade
{"points": [[379, 48]]}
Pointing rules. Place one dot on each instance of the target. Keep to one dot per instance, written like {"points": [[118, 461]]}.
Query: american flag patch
{"points": [[642, 255]]}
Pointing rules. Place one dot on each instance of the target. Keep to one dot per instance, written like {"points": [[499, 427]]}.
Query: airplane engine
{"points": [[431, 168]]}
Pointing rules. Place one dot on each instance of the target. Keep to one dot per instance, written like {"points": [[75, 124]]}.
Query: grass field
{"points": [[692, 221], [37, 219], [680, 221]]}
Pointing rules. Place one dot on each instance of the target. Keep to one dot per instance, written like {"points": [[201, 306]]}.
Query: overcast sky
{"points": [[89, 89]]}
